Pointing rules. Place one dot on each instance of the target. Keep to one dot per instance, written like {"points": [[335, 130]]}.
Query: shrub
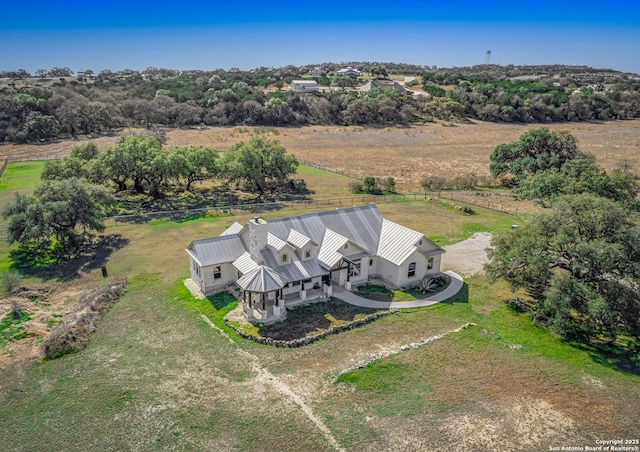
{"points": [[16, 310], [10, 281], [355, 186], [520, 304], [73, 334], [431, 182]]}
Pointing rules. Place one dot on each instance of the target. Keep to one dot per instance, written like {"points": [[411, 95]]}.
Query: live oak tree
{"points": [[197, 163], [580, 261], [536, 150], [260, 165], [58, 218], [581, 175]]}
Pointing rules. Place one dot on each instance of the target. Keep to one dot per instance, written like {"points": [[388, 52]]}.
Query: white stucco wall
{"points": [[228, 273]]}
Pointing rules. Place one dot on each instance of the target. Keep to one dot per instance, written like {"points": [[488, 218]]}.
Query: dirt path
{"points": [[469, 256], [264, 376]]}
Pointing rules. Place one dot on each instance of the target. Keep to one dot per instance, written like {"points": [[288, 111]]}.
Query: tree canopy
{"points": [[259, 164], [536, 150], [580, 261], [58, 217], [581, 175]]}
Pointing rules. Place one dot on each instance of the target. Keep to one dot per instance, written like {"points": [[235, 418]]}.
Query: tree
{"points": [[57, 218], [198, 163], [130, 159], [537, 149], [580, 261], [259, 164], [581, 175], [39, 127]]}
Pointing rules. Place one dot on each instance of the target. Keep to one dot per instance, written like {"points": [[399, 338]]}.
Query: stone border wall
{"points": [[295, 343]]}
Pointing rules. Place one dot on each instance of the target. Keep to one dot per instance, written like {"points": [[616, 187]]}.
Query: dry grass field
{"points": [[406, 153]]}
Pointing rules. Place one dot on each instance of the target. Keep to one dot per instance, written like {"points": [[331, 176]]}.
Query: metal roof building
{"points": [[282, 257]]}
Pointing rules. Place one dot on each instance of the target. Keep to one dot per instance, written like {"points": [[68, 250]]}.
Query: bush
{"points": [[433, 182], [520, 305], [10, 281], [73, 334], [355, 186]]}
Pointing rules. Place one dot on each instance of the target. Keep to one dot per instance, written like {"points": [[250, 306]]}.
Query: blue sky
{"points": [[247, 34]]}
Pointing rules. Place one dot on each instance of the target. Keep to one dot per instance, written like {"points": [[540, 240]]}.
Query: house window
{"points": [[346, 245], [307, 254], [217, 272], [284, 258], [370, 262], [412, 270], [430, 263], [420, 242]]}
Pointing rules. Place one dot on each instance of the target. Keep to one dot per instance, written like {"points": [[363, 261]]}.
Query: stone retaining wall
{"points": [[295, 343]]}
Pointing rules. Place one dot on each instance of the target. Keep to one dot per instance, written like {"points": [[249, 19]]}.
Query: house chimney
{"points": [[258, 230]]}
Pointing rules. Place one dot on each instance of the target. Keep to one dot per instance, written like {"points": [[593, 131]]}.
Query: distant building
{"points": [[348, 71], [384, 84], [315, 72], [600, 87], [304, 86]]}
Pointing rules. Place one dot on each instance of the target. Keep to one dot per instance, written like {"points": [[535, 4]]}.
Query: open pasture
{"points": [[406, 153], [157, 375]]}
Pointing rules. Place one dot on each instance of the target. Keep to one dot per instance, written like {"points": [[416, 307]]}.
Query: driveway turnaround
{"points": [[351, 298]]}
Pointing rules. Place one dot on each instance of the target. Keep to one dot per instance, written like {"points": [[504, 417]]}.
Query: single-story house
{"points": [[289, 261], [379, 83], [348, 71], [304, 86]]}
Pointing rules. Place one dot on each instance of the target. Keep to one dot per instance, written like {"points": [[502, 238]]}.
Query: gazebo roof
{"points": [[263, 279]]}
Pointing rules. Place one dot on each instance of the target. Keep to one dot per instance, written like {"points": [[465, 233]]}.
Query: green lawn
{"points": [[156, 376]]}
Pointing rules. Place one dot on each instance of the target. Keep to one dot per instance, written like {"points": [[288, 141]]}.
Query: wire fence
{"points": [[4, 166], [436, 196]]}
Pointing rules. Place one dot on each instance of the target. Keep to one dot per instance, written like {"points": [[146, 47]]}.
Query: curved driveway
{"points": [[351, 298]]}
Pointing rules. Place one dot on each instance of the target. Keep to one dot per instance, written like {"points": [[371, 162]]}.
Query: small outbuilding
{"points": [[304, 86]]}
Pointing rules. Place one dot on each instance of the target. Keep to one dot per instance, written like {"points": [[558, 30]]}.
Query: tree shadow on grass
{"points": [[303, 321], [621, 357], [95, 256]]}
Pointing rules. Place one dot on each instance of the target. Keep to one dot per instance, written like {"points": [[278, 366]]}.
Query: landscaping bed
{"points": [[305, 324], [378, 292]]}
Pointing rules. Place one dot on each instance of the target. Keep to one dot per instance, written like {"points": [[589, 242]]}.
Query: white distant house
{"points": [[316, 72], [348, 71], [379, 83], [304, 86], [290, 261]]}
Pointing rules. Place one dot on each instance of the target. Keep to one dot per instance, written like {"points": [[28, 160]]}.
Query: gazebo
{"points": [[262, 294]]}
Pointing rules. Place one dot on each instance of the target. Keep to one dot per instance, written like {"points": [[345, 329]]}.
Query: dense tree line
{"points": [[140, 163], [70, 204], [36, 111]]}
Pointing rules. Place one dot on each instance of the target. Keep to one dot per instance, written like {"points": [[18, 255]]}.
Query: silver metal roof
{"points": [[299, 240], [331, 243], [216, 250], [275, 242], [245, 264], [262, 279], [363, 227], [296, 269], [235, 228], [397, 242]]}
